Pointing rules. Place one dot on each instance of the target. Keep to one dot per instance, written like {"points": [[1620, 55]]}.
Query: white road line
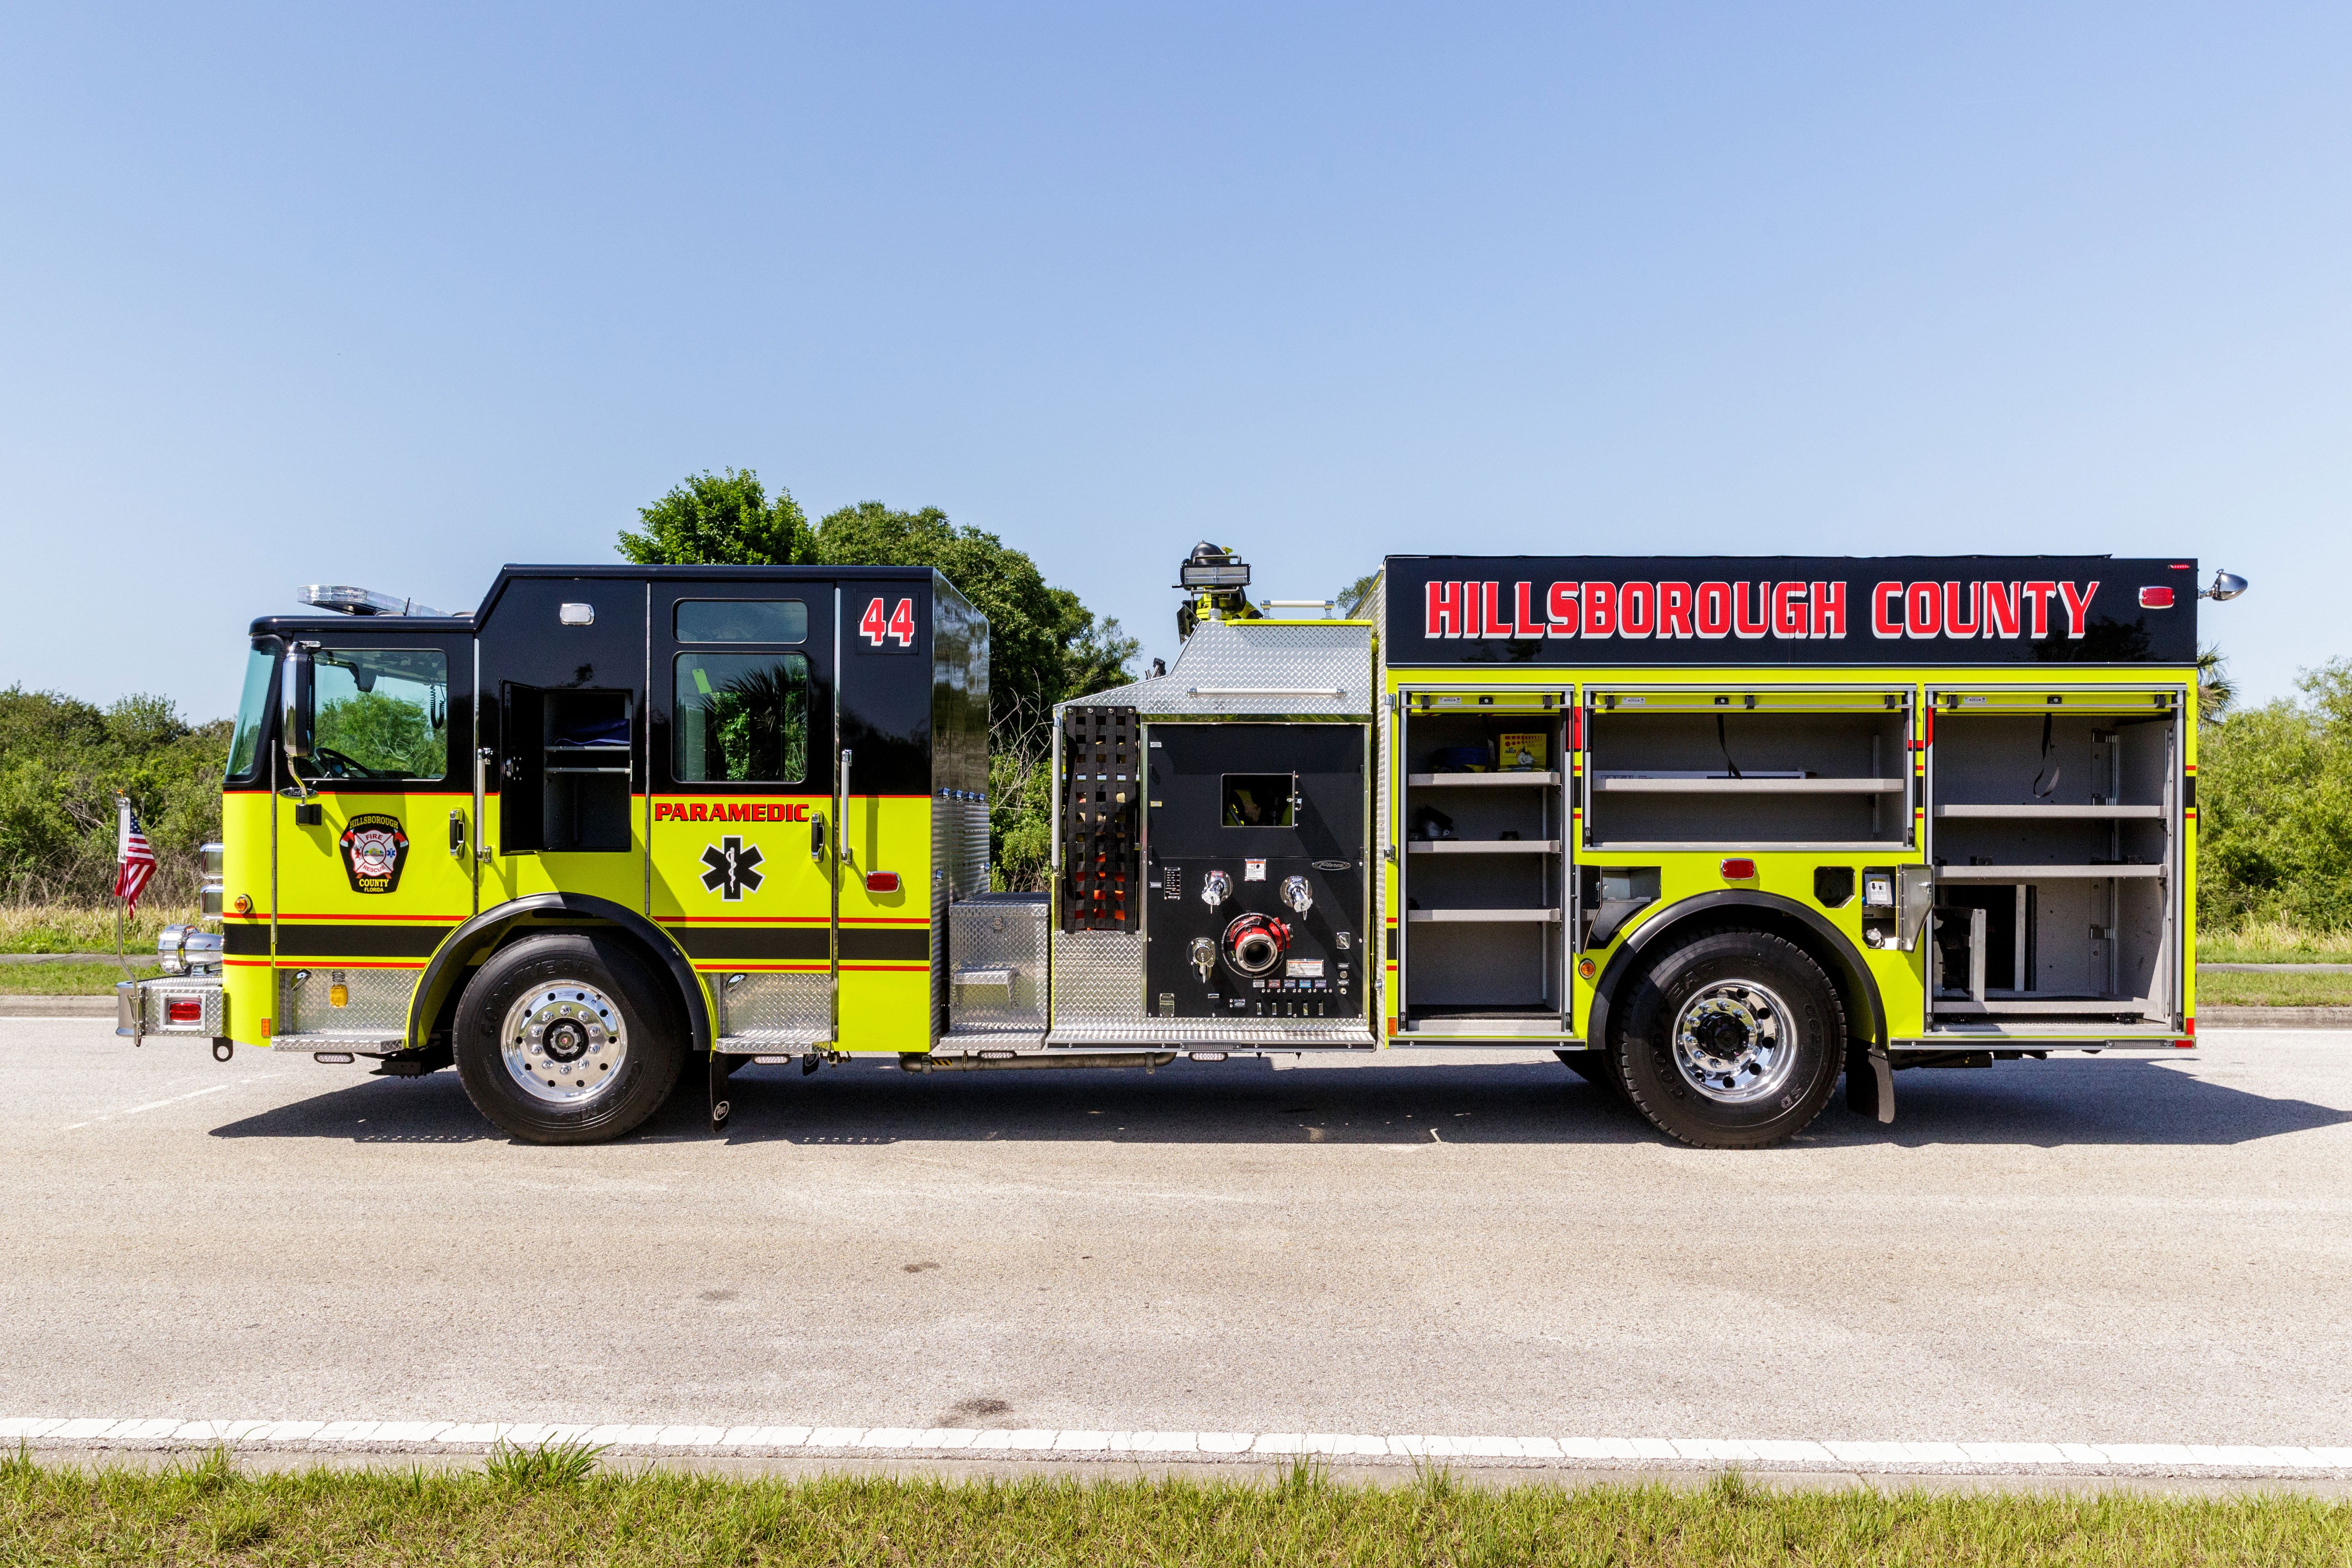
{"points": [[159, 1105], [463, 1437]]}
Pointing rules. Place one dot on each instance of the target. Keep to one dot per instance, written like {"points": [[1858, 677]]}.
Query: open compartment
{"points": [[2054, 834], [1482, 821], [584, 747], [1673, 770]]}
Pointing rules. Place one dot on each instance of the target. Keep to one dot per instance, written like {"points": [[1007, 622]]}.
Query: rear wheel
{"points": [[567, 1038], [1733, 1040]]}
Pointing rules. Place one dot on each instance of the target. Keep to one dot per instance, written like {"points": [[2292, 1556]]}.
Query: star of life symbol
{"points": [[734, 868]]}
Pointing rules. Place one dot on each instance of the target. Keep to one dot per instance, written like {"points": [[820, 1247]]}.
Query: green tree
{"points": [[721, 520], [2274, 808], [61, 761], [2215, 690], [1356, 596]]}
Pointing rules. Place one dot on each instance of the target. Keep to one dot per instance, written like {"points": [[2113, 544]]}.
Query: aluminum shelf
{"points": [[1449, 781], [2042, 872], [1483, 846], [1490, 917], [2056, 813], [1611, 784]]}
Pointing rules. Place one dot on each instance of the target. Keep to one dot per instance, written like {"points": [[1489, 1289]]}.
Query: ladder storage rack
{"points": [[1736, 770], [1483, 823], [2052, 833]]}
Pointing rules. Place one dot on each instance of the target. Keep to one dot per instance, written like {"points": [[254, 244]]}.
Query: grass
{"points": [[2272, 942], [69, 979], [2227, 991], [518, 1514], [68, 928]]}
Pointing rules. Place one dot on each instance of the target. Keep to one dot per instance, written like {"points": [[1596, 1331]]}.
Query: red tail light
{"points": [[2155, 599], [183, 1009], [1739, 870], [881, 882]]}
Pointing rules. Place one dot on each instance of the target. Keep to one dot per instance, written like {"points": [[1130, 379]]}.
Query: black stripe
{"points": [[386, 941], [903, 943], [750, 944], [2188, 791]]}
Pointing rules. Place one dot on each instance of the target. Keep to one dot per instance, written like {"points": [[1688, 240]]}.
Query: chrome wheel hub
{"points": [[1735, 1043], [563, 1043]]}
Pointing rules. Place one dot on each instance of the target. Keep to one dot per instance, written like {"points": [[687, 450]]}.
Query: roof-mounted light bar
{"points": [[1210, 567], [347, 601]]}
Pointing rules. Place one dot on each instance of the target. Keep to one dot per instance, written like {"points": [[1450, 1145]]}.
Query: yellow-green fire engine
{"points": [[1715, 831]]}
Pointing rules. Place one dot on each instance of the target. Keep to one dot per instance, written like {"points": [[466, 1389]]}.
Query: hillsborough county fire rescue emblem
{"points": [[734, 868], [374, 849]]}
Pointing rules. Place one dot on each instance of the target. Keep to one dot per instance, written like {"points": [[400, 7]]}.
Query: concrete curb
{"points": [[1489, 1471], [57, 1006], [2275, 1018]]}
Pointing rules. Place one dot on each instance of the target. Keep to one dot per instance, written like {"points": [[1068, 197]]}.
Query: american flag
{"points": [[134, 862]]}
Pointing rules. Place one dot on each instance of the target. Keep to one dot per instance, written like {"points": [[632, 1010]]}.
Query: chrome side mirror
{"points": [[297, 692]]}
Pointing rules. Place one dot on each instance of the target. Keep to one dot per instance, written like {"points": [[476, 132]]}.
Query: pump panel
{"points": [[1256, 891]]}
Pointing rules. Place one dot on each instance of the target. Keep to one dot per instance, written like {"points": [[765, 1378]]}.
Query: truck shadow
{"points": [[2037, 1105]]}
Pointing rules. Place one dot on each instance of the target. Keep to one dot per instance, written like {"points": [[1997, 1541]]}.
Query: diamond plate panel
{"points": [[764, 1010], [1098, 978], [1002, 933], [1267, 668], [150, 1016], [374, 1001], [1257, 1033]]}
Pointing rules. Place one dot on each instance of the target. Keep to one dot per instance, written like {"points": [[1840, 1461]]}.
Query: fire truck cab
{"points": [[1717, 832]]}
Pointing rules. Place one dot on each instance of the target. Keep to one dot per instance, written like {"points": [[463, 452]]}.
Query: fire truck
{"points": [[1717, 832]]}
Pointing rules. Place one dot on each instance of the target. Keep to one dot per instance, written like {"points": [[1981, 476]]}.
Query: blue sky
{"points": [[322, 293]]}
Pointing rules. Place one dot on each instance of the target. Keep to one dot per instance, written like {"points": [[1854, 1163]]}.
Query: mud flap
{"points": [[1869, 1082], [719, 1108]]}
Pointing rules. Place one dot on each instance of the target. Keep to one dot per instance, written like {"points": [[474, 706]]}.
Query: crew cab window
{"points": [[379, 713], [742, 717], [741, 621]]}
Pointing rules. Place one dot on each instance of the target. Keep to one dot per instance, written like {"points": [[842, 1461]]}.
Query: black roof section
{"points": [[620, 572]]}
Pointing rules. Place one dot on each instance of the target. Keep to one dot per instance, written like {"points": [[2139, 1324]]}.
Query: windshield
{"points": [[252, 709], [380, 713]]}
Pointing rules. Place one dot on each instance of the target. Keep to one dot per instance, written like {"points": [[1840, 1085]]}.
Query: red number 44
{"points": [[898, 627]]}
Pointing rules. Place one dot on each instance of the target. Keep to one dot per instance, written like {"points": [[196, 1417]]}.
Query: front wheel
{"points": [[567, 1038], [1732, 1040]]}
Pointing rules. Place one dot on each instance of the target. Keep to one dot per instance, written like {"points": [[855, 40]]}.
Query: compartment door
{"points": [[745, 861], [375, 866]]}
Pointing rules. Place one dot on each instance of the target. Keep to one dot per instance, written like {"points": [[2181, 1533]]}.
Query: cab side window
{"points": [[380, 713], [742, 717]]}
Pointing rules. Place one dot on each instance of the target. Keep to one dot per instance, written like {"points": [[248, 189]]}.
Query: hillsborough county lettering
{"points": [[1753, 609], [1791, 609]]}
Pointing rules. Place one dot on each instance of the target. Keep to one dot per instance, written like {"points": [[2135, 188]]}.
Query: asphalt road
{"points": [[2097, 1250]]}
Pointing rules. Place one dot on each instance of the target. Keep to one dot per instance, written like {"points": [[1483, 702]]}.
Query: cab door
{"points": [[744, 869], [375, 833]]}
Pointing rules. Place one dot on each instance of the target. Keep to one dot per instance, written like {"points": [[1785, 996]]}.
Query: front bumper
{"points": [[190, 1007]]}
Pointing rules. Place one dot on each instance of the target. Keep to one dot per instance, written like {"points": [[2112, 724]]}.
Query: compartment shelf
{"points": [[2056, 813], [2042, 872], [2039, 1006], [1641, 784], [1482, 846], [1451, 781], [1450, 916]]}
